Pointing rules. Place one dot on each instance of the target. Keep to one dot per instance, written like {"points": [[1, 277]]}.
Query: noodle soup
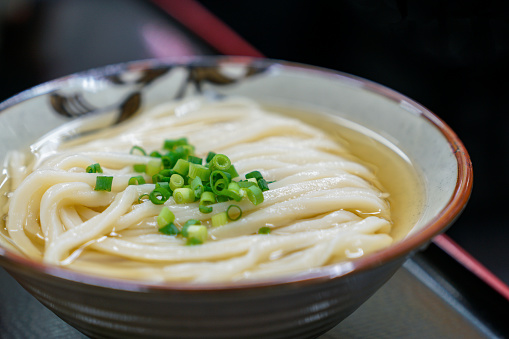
{"points": [[336, 192]]}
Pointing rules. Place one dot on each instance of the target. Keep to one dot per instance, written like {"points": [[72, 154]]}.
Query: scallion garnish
{"points": [[159, 195], [153, 167], [137, 150], [254, 194], [183, 195], [219, 219], [254, 174], [181, 167], [169, 229], [264, 230], [137, 180], [165, 217], [139, 168], [94, 168], [207, 198], [103, 183], [187, 224], [220, 162], [188, 178], [196, 234], [176, 181], [234, 212]]}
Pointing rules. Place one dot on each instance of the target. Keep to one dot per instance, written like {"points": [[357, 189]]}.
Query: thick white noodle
{"points": [[322, 206]]}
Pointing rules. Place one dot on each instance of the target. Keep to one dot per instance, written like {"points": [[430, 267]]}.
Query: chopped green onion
{"points": [[196, 170], [207, 198], [183, 195], [254, 194], [193, 242], [168, 161], [165, 185], [160, 178], [169, 229], [194, 160], [155, 154], [137, 149], [165, 217], [137, 180], [197, 187], [246, 183], [234, 186], [198, 232], [176, 181], [205, 209], [187, 224], [103, 183], [219, 219], [139, 168], [181, 167], [209, 157], [219, 181], [262, 183], [169, 144], [159, 195], [153, 167], [220, 162], [254, 174], [264, 230], [235, 214], [233, 172], [222, 198], [94, 168]]}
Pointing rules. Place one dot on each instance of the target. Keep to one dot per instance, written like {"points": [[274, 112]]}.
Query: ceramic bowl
{"points": [[297, 306]]}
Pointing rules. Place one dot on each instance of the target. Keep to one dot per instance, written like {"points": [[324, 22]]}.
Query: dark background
{"points": [[451, 56]]}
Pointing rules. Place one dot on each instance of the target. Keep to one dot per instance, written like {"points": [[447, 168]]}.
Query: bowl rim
{"points": [[401, 249]]}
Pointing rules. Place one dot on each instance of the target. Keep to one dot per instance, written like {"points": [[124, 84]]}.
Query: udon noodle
{"points": [[322, 207]]}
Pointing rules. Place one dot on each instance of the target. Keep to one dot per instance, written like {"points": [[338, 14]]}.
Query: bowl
{"points": [[296, 306]]}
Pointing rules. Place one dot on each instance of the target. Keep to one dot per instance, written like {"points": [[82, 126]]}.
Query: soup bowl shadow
{"points": [[302, 305]]}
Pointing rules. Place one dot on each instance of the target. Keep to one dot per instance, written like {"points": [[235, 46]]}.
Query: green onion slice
{"points": [[264, 186], [234, 212], [197, 170], [219, 219], [194, 160], [254, 174], [264, 230], [140, 168], [165, 217], [183, 195], [136, 180], [153, 167], [176, 181], [220, 162], [159, 195], [207, 198], [188, 223], [103, 183], [94, 168], [181, 167], [197, 187], [254, 194], [210, 156], [198, 232], [169, 229], [137, 149]]}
